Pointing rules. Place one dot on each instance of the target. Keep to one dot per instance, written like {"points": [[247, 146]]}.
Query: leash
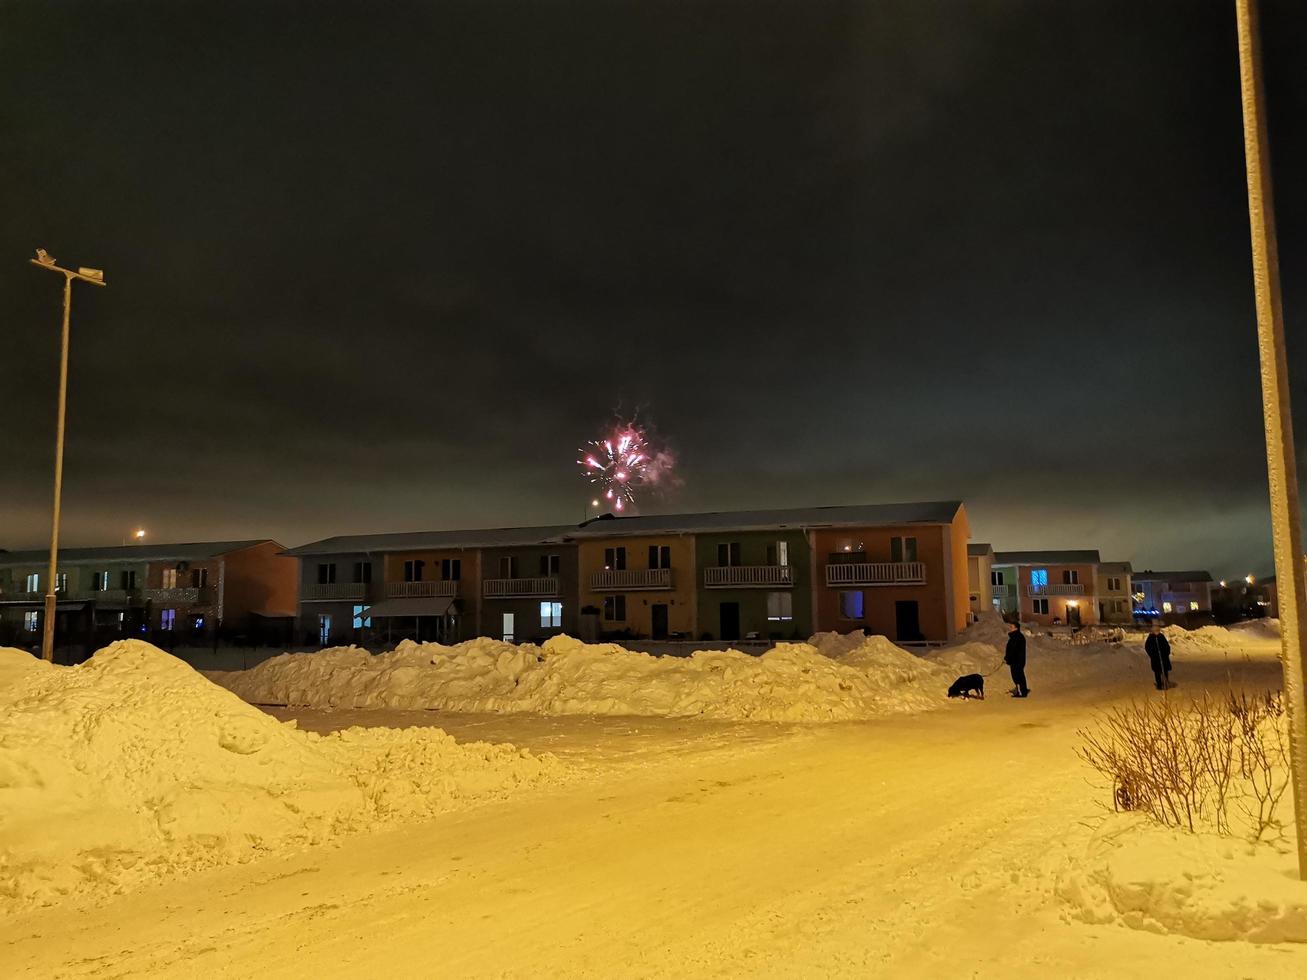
{"points": [[1000, 666]]}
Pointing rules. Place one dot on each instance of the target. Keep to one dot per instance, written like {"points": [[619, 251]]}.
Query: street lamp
{"points": [[96, 278]]}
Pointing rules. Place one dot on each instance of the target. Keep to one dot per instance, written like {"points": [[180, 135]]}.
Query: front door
{"points": [[659, 624], [1072, 615], [730, 614], [907, 621]]}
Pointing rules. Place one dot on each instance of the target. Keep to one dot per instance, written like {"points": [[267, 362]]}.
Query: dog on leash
{"points": [[967, 685]]}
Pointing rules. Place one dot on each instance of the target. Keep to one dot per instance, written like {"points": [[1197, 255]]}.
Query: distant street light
{"points": [[96, 278], [139, 535], [1281, 467]]}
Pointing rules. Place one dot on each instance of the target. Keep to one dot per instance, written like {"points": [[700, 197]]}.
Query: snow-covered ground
{"points": [[937, 838]]}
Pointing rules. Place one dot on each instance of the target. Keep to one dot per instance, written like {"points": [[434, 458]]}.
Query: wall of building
{"points": [[257, 580], [752, 602], [527, 618], [679, 599], [1058, 605], [980, 591], [342, 631], [470, 622]]}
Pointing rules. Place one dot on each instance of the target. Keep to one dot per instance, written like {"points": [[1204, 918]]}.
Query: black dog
{"points": [[966, 685]]}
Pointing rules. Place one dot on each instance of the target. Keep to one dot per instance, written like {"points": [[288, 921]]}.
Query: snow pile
{"points": [[1161, 880], [793, 682], [1219, 639], [1265, 629], [132, 766]]}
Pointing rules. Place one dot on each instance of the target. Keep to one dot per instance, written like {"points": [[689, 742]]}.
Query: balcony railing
{"points": [[104, 595], [1057, 588], [342, 591], [511, 588], [182, 596], [423, 590], [1005, 591], [877, 573], [22, 595], [748, 577], [619, 580]]}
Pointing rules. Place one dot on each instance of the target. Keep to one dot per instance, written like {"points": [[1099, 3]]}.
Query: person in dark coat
{"points": [[1015, 658], [1159, 655]]}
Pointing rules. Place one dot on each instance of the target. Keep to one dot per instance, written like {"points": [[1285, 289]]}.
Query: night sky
{"points": [[384, 266]]}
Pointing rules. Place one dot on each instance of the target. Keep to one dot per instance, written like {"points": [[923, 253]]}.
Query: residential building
{"points": [[1115, 593], [980, 585], [1172, 596], [1051, 588], [174, 594]]}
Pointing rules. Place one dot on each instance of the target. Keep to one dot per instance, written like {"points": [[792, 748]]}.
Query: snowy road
{"points": [[910, 847]]}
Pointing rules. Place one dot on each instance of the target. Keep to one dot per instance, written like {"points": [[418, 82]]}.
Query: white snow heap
{"points": [[133, 766]]}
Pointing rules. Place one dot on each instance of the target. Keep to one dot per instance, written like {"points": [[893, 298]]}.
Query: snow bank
{"points": [[1220, 639], [132, 766], [1161, 880], [852, 679]]}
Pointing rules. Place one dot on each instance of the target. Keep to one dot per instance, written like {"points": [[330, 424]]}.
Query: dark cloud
{"points": [[386, 265]]}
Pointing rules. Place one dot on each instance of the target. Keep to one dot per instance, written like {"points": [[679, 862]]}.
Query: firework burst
{"points": [[622, 464]]}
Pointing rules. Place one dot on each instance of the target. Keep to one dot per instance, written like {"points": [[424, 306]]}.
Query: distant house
{"points": [[980, 586], [172, 593], [1172, 595], [1060, 588]]}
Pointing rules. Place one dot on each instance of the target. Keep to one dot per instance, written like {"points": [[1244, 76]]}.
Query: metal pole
{"points": [[47, 640], [1286, 521]]}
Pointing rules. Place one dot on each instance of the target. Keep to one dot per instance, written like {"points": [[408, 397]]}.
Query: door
{"points": [[659, 625], [907, 621], [730, 614], [507, 631], [1072, 615]]}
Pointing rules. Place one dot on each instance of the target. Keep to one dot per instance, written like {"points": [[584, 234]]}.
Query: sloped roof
{"points": [[1148, 575], [495, 537], [1115, 566], [193, 551], [1047, 558], [862, 515], [982, 550]]}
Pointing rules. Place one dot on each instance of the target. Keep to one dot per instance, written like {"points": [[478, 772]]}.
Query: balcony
{"points": [[1008, 591], [188, 596], [24, 596], [1058, 588], [107, 596], [627, 580], [337, 591], [876, 573], [749, 577], [422, 590], [515, 588]]}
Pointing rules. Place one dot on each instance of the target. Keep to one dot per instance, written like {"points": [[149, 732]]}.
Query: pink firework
{"points": [[619, 465]]}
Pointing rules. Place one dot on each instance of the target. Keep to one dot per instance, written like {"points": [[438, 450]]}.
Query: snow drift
{"points": [[132, 766]]}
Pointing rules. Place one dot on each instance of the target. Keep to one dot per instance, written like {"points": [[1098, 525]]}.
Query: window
{"points": [[851, 605], [451, 569], [995, 578], [550, 565], [507, 567], [614, 559], [326, 573], [727, 554], [168, 578], [324, 628], [197, 623], [199, 578], [362, 572], [615, 608], [1039, 576], [167, 619], [902, 549], [128, 580], [101, 581], [361, 620], [61, 581], [31, 620], [1040, 606], [507, 631], [1193, 606], [778, 553], [413, 570], [1113, 585], [1070, 576], [34, 582], [1166, 607], [551, 614], [780, 606], [660, 557]]}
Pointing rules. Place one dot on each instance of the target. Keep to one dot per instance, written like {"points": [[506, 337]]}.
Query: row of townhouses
{"points": [[906, 571]]}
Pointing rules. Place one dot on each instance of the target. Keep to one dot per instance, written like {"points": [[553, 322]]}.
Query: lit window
{"points": [[360, 620], [61, 582], [780, 606], [31, 620], [169, 580], [34, 582], [508, 633], [324, 628], [1193, 607], [551, 614], [167, 619], [1039, 577], [851, 606], [101, 581], [1166, 607]]}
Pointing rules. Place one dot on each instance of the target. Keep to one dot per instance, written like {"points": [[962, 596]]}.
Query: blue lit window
{"points": [[361, 621], [1039, 576], [851, 605]]}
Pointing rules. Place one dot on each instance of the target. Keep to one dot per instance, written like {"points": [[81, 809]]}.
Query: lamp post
{"points": [[96, 278], [1286, 520]]}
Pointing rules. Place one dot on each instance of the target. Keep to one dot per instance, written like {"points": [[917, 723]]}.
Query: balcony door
{"points": [[730, 620]]}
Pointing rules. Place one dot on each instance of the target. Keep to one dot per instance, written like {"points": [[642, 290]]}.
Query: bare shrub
{"points": [[1195, 766]]}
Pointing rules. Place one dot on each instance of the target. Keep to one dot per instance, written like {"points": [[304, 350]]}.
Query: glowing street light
{"points": [[139, 534], [95, 277]]}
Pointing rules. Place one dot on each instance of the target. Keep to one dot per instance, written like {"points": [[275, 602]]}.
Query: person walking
{"points": [[1159, 655], [1015, 658]]}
